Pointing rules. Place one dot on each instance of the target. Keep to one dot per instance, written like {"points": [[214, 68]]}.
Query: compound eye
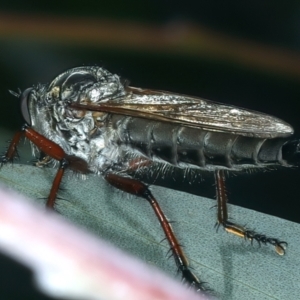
{"points": [[24, 105], [75, 83]]}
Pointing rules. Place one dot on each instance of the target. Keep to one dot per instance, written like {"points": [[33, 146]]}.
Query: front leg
{"points": [[238, 229], [11, 151], [50, 149], [139, 189]]}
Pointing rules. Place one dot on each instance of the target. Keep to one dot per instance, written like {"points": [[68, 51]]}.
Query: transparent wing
{"points": [[192, 112]]}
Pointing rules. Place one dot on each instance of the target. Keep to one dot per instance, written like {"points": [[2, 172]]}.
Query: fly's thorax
{"points": [[85, 85], [81, 133], [78, 132]]}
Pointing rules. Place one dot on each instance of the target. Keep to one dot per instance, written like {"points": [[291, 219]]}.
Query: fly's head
{"points": [[47, 108]]}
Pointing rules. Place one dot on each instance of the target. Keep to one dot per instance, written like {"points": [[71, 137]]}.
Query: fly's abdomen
{"points": [[152, 138], [177, 144]]}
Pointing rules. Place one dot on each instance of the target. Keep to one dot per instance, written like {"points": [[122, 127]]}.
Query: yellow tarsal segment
{"points": [[237, 231]]}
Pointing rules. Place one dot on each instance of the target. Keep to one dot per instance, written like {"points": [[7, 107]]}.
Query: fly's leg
{"points": [[53, 150], [138, 188], [11, 152], [50, 149], [235, 228]]}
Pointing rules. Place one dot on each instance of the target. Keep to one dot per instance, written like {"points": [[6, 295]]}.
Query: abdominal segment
{"points": [[180, 145]]}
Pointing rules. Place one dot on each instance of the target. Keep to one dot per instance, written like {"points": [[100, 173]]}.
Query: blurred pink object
{"points": [[73, 264]]}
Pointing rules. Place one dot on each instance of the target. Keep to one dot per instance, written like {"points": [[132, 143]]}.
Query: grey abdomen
{"points": [[177, 144]]}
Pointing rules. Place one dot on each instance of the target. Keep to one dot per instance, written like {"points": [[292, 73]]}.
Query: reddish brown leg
{"points": [[12, 149], [235, 228], [53, 150], [56, 184], [138, 188], [50, 149]]}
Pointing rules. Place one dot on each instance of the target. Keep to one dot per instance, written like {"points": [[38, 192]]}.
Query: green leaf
{"points": [[231, 266]]}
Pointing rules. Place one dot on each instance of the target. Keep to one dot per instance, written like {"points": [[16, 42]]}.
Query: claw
{"points": [[280, 246], [192, 280]]}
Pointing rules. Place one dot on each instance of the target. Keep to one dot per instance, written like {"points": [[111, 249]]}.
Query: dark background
{"points": [[240, 53]]}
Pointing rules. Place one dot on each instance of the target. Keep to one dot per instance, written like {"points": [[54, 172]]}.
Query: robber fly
{"points": [[90, 121]]}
